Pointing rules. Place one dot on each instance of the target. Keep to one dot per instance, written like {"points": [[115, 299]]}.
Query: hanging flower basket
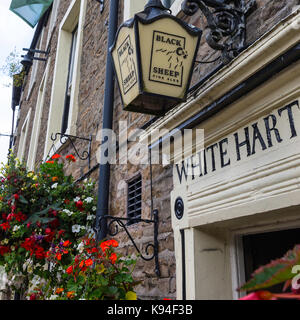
{"points": [[17, 87]]}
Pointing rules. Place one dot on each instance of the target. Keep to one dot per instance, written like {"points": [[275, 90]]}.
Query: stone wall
{"points": [[91, 93]]}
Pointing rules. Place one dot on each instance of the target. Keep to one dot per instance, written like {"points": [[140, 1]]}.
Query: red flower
{"points": [[70, 157], [3, 250], [5, 226], [88, 262], [16, 196], [20, 217], [33, 297], [55, 156], [40, 253], [61, 232], [51, 162], [66, 243], [113, 243], [69, 270], [66, 201], [48, 230], [28, 244], [113, 258], [10, 216], [58, 256], [79, 204], [108, 243]]}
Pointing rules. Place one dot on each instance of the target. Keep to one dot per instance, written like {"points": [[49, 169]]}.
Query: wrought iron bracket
{"points": [[101, 5], [32, 52], [65, 138], [226, 22], [113, 223]]}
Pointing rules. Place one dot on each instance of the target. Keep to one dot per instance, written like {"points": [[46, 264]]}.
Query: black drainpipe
{"points": [[108, 108]]}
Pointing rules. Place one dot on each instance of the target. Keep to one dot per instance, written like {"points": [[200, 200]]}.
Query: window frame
{"points": [[75, 15]]}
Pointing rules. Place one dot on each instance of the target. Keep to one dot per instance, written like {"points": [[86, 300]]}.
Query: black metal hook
{"points": [[64, 138], [113, 229]]}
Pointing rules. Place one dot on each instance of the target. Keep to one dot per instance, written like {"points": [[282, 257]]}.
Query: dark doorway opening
{"points": [[260, 249]]}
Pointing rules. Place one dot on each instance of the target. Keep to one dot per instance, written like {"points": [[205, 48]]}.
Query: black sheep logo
{"points": [[129, 61], [175, 57]]}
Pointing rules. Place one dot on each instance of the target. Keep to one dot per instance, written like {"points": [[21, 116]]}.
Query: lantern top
{"points": [[153, 11]]}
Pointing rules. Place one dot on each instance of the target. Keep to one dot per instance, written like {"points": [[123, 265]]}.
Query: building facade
{"points": [[222, 211]]}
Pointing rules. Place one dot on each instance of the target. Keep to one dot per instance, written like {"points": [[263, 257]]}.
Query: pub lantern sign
{"points": [[154, 55]]}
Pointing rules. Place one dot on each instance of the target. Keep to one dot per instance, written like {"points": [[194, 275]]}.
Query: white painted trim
{"points": [[23, 136], [56, 4], [176, 7], [37, 119]]}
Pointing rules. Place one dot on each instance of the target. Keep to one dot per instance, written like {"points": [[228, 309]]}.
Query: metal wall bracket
{"points": [[31, 53], [65, 138], [226, 21], [101, 5], [113, 229]]}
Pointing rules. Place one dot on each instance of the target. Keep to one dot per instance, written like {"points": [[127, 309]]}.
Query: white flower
{"points": [[80, 247], [94, 208], [54, 186], [16, 228], [76, 228], [88, 200], [36, 280], [91, 217], [53, 297], [76, 199], [68, 212]]}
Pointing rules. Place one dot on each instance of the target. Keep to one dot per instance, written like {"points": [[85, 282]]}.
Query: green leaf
{"points": [[277, 271], [38, 216], [23, 200]]}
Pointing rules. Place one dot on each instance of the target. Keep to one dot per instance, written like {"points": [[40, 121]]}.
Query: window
{"points": [[134, 203], [260, 249], [64, 94]]}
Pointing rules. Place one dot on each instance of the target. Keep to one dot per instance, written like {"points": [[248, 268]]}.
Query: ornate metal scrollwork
{"points": [[225, 21], [113, 228], [64, 138]]}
